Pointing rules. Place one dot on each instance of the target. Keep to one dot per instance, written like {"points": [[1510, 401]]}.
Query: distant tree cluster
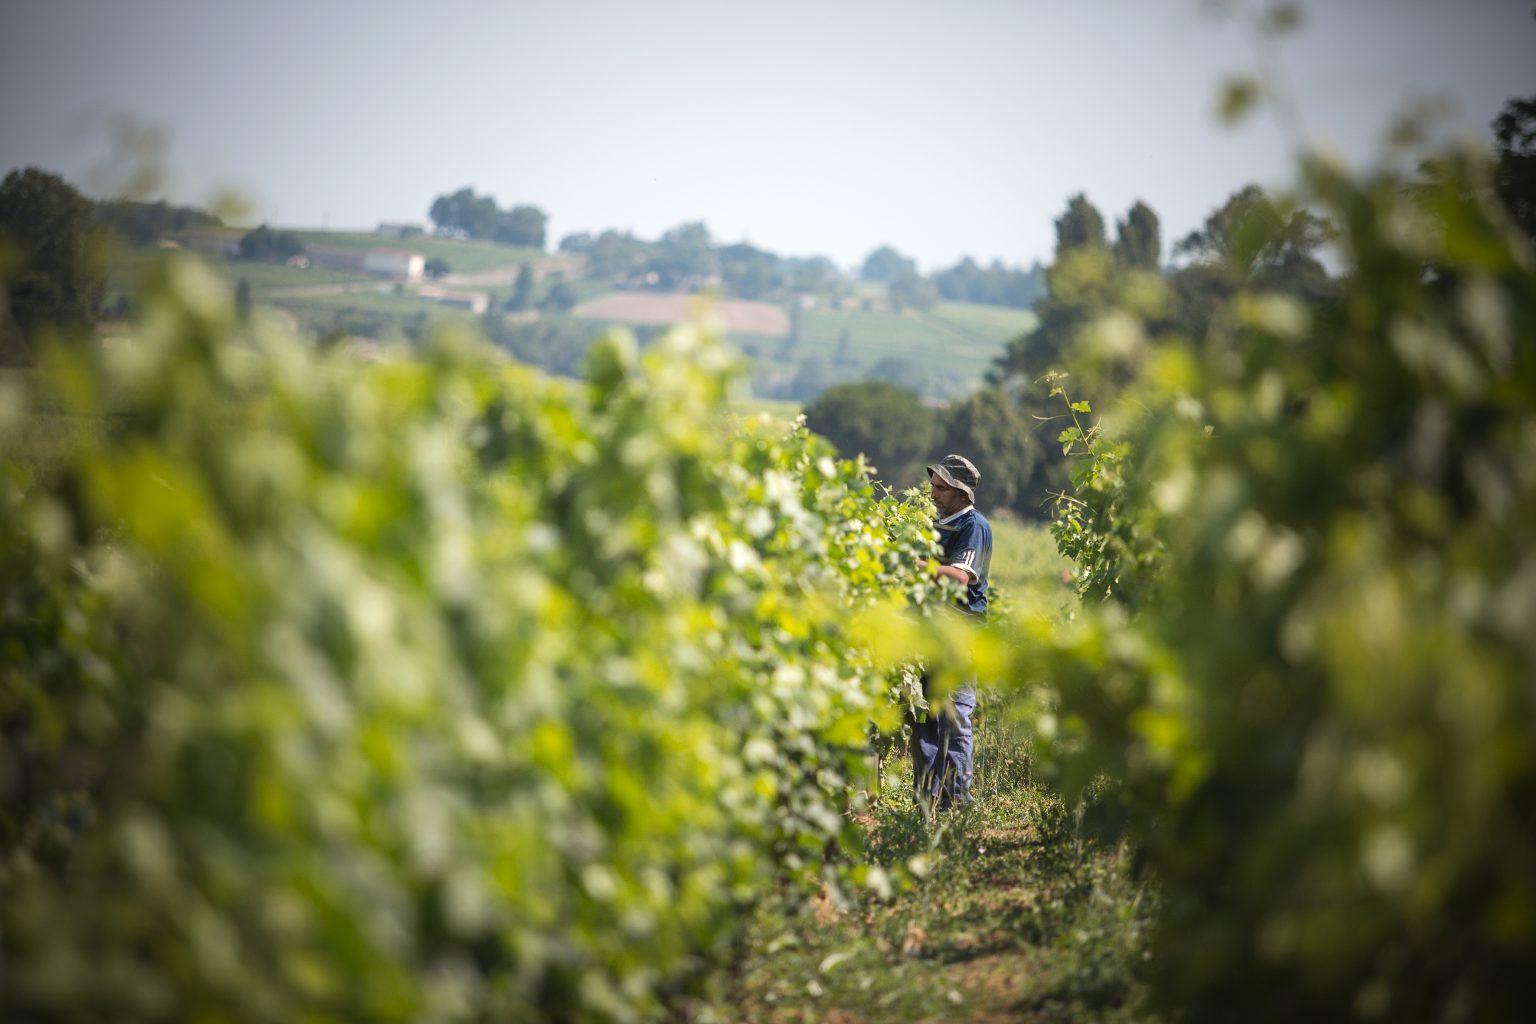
{"points": [[885, 265], [687, 258], [474, 216], [993, 285], [48, 232], [559, 297], [1006, 426], [265, 243], [912, 291], [613, 255], [556, 344], [887, 422], [967, 281], [1138, 238], [522, 290], [812, 275], [748, 272], [682, 257], [1514, 134], [1252, 241], [145, 224]]}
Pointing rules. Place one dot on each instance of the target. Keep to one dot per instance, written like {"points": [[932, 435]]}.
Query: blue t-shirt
{"points": [[967, 543]]}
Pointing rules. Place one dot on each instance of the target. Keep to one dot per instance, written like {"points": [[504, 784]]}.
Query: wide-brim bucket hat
{"points": [[958, 472]]}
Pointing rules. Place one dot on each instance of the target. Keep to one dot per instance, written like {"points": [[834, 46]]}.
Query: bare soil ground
{"points": [[739, 315]]}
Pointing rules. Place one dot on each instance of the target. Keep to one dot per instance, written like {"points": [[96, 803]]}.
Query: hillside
{"points": [[796, 352]]}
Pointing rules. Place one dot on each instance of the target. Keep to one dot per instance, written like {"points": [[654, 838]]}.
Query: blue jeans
{"points": [[941, 751]]}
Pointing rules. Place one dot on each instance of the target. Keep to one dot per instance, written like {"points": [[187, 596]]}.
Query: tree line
{"points": [[465, 214], [1302, 517], [1252, 241], [688, 258]]}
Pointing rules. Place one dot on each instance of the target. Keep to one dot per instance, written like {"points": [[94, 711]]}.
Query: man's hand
{"points": [[955, 573]]}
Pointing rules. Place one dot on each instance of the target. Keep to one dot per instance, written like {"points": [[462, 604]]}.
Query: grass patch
{"points": [[269, 277], [770, 406], [987, 324], [1027, 569], [780, 412], [953, 344], [37, 435], [371, 314], [1010, 910], [1017, 918], [127, 267]]}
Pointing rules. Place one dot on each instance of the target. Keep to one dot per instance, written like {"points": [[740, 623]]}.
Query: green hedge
{"points": [[427, 689], [1310, 660]]}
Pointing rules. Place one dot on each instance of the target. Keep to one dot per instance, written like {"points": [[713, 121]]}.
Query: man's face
{"points": [[948, 500]]}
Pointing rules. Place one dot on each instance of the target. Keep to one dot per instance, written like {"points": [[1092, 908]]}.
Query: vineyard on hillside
{"points": [[433, 689], [427, 689], [1306, 544]]}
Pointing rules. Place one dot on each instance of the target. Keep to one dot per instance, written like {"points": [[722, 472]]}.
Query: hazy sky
{"points": [[942, 128]]}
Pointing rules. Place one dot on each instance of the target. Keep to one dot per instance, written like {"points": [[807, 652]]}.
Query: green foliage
{"points": [[682, 256], [812, 275], [560, 298], [129, 267], [1080, 227], [1104, 525], [996, 284], [1014, 916], [144, 224], [522, 290], [49, 255], [243, 300], [1314, 689], [1020, 466], [521, 225], [473, 216], [686, 258], [884, 422], [885, 265], [1138, 239], [939, 353], [615, 255], [912, 291], [555, 344], [1081, 282], [1514, 134], [1253, 232], [1085, 280], [1240, 94], [1282, 18], [418, 689], [748, 272], [1253, 241], [476, 216], [263, 243]]}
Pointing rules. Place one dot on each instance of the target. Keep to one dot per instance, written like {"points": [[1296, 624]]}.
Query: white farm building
{"points": [[395, 263]]}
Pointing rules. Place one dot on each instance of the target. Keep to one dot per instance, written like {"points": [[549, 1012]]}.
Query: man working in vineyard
{"points": [[941, 745]]}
